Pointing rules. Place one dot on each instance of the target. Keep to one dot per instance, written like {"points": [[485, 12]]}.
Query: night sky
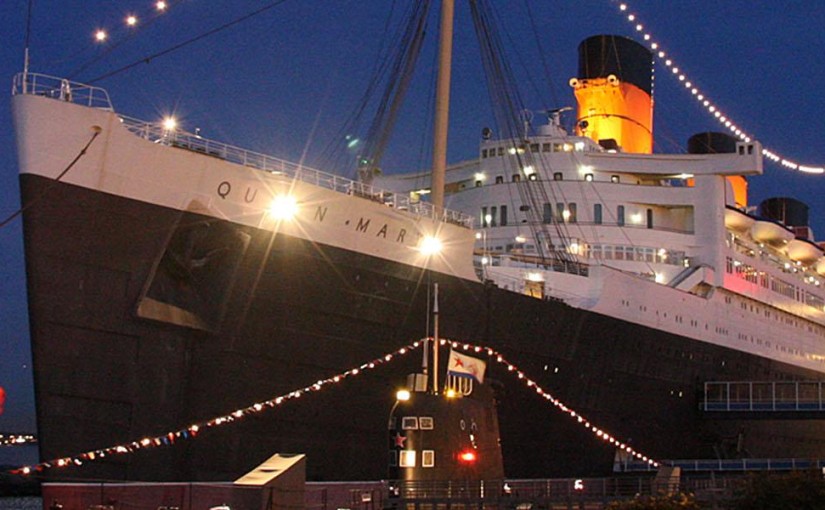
{"points": [[284, 82]]}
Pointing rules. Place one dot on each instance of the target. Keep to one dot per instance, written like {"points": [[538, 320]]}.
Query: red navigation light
{"points": [[467, 456], [2, 399]]}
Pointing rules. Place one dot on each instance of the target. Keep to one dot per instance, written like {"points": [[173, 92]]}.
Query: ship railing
{"points": [[61, 89], [157, 133], [96, 97], [761, 396], [523, 261], [740, 465], [628, 225], [525, 494]]}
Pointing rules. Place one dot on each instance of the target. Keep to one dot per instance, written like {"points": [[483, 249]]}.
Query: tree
{"points": [[679, 501], [800, 490]]}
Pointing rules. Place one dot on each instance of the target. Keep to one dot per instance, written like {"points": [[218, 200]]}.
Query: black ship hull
{"points": [[145, 319]]}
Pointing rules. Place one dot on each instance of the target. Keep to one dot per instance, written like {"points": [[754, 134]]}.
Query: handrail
{"points": [[59, 88], [95, 97], [763, 396], [766, 464]]}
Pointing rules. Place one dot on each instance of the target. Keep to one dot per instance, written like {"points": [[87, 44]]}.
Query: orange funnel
{"points": [[613, 90]]}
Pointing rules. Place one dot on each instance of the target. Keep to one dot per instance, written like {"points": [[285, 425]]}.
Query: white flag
{"points": [[461, 365]]}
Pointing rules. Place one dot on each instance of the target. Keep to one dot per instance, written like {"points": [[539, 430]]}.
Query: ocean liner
{"points": [[174, 278]]}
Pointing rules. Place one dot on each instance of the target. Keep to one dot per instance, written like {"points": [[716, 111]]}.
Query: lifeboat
{"points": [[820, 266], [737, 220], [765, 231], [803, 251]]}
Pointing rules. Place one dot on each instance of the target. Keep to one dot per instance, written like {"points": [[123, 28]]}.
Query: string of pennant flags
{"points": [[194, 429], [17, 439]]}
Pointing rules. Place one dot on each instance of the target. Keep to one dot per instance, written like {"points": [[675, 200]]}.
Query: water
{"points": [[27, 503]]}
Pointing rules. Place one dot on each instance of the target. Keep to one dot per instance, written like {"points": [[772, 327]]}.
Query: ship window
{"points": [[484, 217], [532, 177], [534, 147], [516, 177], [501, 151], [557, 147], [558, 176], [548, 213], [560, 212], [588, 177], [426, 422], [406, 458], [650, 218], [393, 458], [428, 458], [620, 215], [409, 423], [499, 179], [545, 147], [597, 214], [571, 208], [478, 184], [493, 216], [614, 178], [483, 153], [524, 208], [503, 215]]}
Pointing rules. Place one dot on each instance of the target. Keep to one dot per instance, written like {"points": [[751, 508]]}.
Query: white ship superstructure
{"points": [[661, 240]]}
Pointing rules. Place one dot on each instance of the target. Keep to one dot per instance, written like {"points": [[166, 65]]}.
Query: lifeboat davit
{"points": [[765, 231], [737, 220], [803, 251]]}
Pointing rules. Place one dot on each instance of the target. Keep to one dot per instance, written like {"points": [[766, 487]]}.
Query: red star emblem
{"points": [[399, 440], [458, 362]]}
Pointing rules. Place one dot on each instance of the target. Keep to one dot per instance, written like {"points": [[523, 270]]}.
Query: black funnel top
{"points": [[789, 211], [711, 142], [603, 55]]}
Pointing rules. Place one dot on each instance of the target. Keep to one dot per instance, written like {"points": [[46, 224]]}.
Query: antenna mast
{"points": [[26, 47], [435, 338]]}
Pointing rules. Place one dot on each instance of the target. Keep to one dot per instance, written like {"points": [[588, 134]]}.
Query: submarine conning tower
{"points": [[614, 92]]}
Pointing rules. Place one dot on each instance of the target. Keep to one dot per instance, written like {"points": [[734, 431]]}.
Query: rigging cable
{"points": [[381, 128], [110, 48], [503, 91], [394, 65], [178, 46], [95, 132]]}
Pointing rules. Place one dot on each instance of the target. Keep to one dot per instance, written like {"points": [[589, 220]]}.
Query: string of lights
{"points": [[17, 439], [597, 431], [133, 19], [194, 429], [701, 97]]}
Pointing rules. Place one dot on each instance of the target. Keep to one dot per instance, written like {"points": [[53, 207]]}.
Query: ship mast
{"points": [[442, 105]]}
